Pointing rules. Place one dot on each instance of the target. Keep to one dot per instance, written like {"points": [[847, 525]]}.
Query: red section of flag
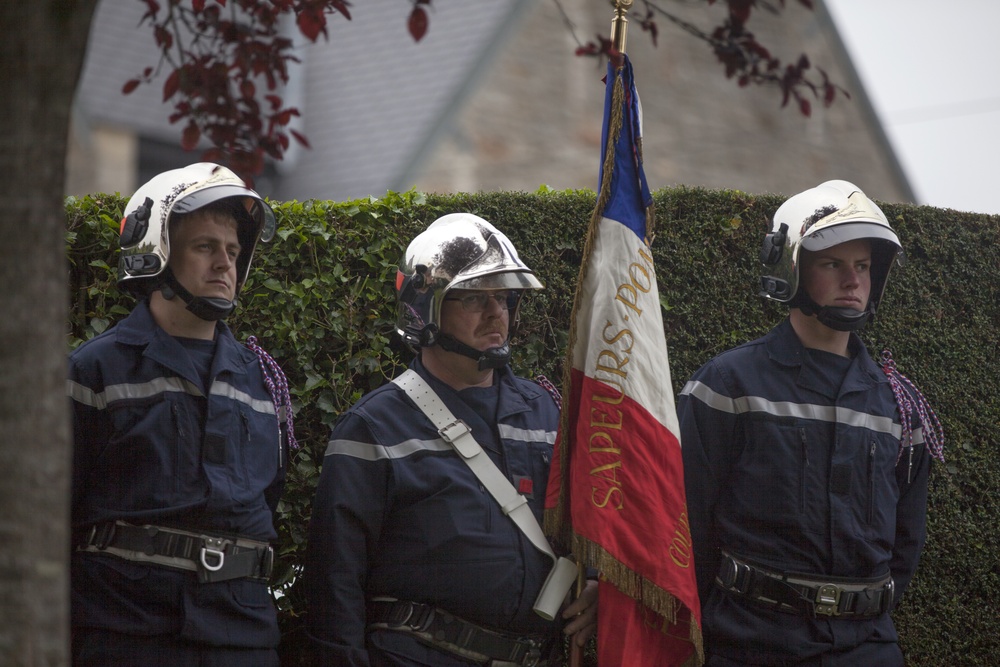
{"points": [[525, 485], [629, 468], [634, 635], [616, 488]]}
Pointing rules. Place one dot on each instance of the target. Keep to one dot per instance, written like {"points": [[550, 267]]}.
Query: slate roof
{"points": [[371, 98]]}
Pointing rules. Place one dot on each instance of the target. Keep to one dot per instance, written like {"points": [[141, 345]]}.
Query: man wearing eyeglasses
{"points": [[412, 559]]}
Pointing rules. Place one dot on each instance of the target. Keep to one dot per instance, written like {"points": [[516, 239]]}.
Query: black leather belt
{"points": [[805, 594], [213, 558], [454, 635]]}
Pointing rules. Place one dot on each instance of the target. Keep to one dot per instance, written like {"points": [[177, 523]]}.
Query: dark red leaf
{"points": [[299, 137], [164, 38], [198, 6], [417, 23], [829, 93], [805, 107], [130, 85], [190, 137], [341, 6], [171, 85], [739, 10], [247, 89], [152, 8], [311, 23]]}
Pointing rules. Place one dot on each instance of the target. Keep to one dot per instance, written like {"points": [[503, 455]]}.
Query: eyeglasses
{"points": [[477, 302]]}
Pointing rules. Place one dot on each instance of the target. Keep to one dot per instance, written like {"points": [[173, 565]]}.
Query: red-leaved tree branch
{"points": [[226, 61], [742, 56]]}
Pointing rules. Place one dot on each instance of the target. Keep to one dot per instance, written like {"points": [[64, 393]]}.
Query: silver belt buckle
{"points": [[827, 600]]}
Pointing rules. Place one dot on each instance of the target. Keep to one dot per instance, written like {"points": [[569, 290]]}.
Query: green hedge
{"points": [[321, 299]]}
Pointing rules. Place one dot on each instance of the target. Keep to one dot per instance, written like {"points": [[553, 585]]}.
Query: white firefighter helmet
{"points": [[145, 239], [831, 213]]}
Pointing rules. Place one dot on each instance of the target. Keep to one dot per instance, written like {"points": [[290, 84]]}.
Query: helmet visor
{"points": [[257, 211], [827, 237], [507, 280]]}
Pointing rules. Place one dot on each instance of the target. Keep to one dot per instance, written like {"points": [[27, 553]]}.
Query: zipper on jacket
{"points": [[871, 483], [175, 412], [802, 469], [282, 438]]}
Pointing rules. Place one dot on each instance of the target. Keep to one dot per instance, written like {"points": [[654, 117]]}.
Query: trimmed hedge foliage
{"points": [[321, 300]]}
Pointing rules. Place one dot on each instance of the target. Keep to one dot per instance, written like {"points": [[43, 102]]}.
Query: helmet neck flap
{"points": [[210, 309]]}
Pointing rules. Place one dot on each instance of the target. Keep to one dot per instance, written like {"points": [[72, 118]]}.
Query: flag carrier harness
{"points": [[460, 636]]}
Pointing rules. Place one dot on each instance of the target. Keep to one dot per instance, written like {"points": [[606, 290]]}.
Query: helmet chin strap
{"points": [[837, 318], [207, 308], [494, 357]]}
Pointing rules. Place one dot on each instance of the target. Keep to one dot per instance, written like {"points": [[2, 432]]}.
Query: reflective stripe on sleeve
{"points": [[141, 390], [370, 452], [125, 392], [227, 390], [824, 413], [527, 435]]}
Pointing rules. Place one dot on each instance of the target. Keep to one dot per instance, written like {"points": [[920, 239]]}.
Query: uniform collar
{"points": [[140, 329], [785, 348], [514, 396]]}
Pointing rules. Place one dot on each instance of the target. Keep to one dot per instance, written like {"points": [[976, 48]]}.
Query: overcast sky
{"points": [[930, 69]]}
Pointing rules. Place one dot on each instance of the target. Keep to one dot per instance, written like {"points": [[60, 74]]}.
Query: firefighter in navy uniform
{"points": [[180, 439], [411, 560], [805, 461]]}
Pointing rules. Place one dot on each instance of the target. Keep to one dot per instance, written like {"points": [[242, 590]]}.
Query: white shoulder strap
{"points": [[455, 432]]}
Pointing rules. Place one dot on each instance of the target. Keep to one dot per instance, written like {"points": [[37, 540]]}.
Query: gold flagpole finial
{"points": [[619, 26]]}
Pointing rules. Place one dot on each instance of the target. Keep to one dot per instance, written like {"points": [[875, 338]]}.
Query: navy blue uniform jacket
{"points": [[399, 514], [153, 445], [785, 468]]}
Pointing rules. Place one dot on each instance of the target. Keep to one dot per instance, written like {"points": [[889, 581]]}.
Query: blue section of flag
{"points": [[629, 193]]}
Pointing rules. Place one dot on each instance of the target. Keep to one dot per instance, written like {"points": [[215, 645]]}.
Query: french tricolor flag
{"points": [[616, 491]]}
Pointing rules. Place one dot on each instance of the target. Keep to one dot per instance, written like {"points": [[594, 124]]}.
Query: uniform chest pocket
{"points": [[876, 514], [778, 471], [152, 454], [256, 452]]}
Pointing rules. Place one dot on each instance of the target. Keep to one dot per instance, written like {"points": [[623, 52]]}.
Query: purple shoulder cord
{"points": [[547, 385], [909, 397], [277, 386]]}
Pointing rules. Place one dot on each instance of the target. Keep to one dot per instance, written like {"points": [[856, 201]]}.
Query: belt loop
{"points": [[420, 618], [888, 594], [736, 575], [101, 534], [267, 563]]}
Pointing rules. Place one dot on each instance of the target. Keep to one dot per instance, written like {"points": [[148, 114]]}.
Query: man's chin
{"points": [[226, 294]]}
